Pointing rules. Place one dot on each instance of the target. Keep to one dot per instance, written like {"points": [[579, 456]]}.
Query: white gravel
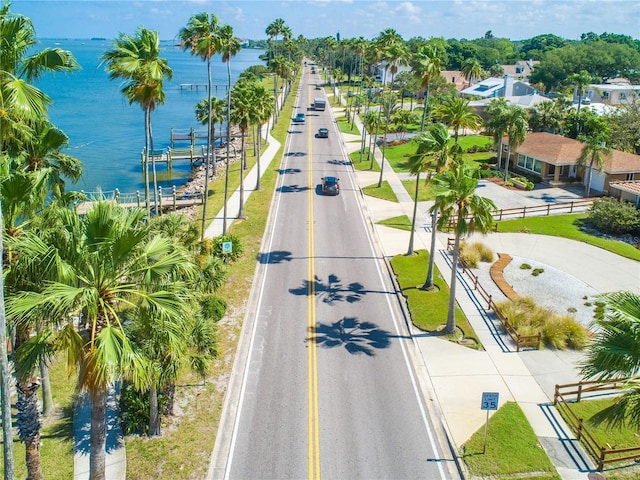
{"points": [[553, 288]]}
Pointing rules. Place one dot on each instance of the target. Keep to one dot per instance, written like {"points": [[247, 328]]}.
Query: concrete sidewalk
{"points": [[460, 375]]}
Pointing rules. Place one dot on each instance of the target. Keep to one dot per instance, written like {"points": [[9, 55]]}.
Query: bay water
{"points": [[107, 134]]}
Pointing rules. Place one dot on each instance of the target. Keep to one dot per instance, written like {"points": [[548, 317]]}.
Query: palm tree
{"points": [[495, 123], [136, 60], [262, 109], [241, 116], [515, 119], [274, 29], [458, 202], [427, 66], [435, 151], [613, 356], [389, 106], [456, 113], [229, 47], [594, 152], [107, 264], [7, 433], [471, 69], [580, 81], [200, 36]]}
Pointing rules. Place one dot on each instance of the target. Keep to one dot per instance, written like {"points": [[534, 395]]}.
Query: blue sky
{"points": [[514, 19]]}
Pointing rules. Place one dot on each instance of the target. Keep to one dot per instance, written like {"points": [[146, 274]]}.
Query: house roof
{"points": [[559, 150], [456, 77], [550, 148], [485, 88], [631, 186], [526, 101]]}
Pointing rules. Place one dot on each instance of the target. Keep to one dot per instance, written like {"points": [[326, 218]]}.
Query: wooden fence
{"points": [[601, 454], [521, 341]]}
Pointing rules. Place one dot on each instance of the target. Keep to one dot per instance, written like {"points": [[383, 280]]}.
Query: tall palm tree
{"points": [[435, 151], [495, 124], [261, 111], [200, 36], [274, 29], [613, 356], [580, 81], [456, 113], [136, 60], [389, 106], [471, 69], [426, 65], [515, 119], [229, 47], [594, 152], [107, 264], [241, 101], [457, 201], [7, 433]]}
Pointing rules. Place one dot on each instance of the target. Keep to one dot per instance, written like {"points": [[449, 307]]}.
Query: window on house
{"points": [[605, 95], [630, 176], [453, 79], [622, 96]]}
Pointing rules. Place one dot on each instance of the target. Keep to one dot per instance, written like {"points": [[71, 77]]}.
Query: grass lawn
{"points": [[425, 189], [345, 127], [384, 192], [428, 308], [364, 164], [512, 449], [402, 222], [567, 226], [608, 437]]}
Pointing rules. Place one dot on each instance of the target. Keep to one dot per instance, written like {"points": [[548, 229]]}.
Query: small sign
{"points": [[227, 247], [489, 401]]}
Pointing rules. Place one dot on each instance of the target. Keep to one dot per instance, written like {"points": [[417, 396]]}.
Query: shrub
{"points": [[537, 271], [525, 266], [474, 253], [558, 331], [213, 307], [236, 251], [612, 216]]}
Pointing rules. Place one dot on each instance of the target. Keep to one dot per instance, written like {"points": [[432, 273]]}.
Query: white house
{"points": [[499, 87]]}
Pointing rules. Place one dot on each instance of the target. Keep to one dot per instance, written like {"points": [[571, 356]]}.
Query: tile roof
{"points": [[631, 186], [559, 150]]}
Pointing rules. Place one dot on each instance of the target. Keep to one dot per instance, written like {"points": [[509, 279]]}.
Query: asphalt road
{"points": [[329, 389]]}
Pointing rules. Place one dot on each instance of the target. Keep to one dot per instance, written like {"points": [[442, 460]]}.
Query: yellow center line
{"points": [[314, 428]]}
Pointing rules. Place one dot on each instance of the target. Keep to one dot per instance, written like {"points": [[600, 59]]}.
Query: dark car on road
{"points": [[299, 118], [323, 133], [330, 185]]}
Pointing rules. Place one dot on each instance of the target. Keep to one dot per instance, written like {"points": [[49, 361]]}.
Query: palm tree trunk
{"points": [[5, 392], [98, 433], [384, 142], [425, 107], [499, 159], [47, 396], [428, 284], [415, 212], [241, 209], [589, 178], [29, 425], [154, 415], [506, 165], [258, 156], [451, 315], [153, 169], [146, 166]]}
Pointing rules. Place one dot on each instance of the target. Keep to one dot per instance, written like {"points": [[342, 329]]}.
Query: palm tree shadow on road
{"points": [[355, 336]]}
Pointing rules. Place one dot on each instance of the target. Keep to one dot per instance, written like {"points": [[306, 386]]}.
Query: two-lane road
{"points": [[328, 390]]}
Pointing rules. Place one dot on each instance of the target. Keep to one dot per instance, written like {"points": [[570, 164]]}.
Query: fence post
{"points": [[555, 395], [159, 193], [173, 194], [548, 209], [501, 214], [579, 429], [571, 209], [475, 282], [524, 212], [601, 459], [579, 392], [490, 303], [138, 197]]}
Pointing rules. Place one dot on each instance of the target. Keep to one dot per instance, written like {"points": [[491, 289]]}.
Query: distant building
{"points": [[613, 94], [454, 77], [521, 70], [493, 87]]}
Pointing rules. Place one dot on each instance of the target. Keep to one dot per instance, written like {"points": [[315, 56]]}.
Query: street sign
{"points": [[489, 401], [227, 247]]}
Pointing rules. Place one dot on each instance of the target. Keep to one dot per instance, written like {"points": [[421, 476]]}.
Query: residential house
{"points": [[455, 77], [521, 70], [621, 93], [499, 87], [554, 158]]}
